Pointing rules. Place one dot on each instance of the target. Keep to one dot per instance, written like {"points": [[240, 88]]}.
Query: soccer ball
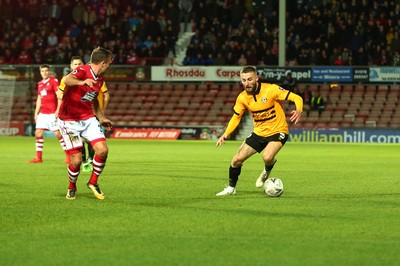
{"points": [[273, 187]]}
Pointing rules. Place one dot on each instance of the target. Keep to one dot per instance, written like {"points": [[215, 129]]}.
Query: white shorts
{"points": [[46, 122], [72, 131]]}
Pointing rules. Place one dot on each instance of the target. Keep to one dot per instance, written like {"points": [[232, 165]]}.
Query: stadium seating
{"points": [[171, 104], [355, 106], [203, 104]]}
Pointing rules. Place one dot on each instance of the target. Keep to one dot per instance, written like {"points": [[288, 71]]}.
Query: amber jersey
{"points": [[100, 97], [266, 109], [77, 100], [47, 92]]}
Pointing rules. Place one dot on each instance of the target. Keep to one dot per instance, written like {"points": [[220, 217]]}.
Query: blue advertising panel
{"points": [[384, 74], [332, 74], [345, 136]]}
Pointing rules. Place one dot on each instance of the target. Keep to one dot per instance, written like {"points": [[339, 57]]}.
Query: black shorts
{"points": [[259, 143]]}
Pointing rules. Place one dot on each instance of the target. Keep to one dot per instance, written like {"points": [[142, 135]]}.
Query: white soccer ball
{"points": [[273, 187]]}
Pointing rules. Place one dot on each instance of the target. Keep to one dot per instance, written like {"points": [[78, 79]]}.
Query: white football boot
{"points": [[263, 177], [227, 191]]}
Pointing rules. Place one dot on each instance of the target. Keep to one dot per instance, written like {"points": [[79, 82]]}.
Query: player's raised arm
{"points": [[71, 80]]}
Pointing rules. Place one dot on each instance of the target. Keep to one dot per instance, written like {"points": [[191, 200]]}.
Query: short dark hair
{"points": [[100, 54], [248, 69], [76, 57], [44, 66]]}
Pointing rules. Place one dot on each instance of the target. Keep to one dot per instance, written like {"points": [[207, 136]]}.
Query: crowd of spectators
{"points": [[51, 31], [324, 32], [227, 32]]}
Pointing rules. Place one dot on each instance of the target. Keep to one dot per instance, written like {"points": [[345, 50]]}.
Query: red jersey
{"points": [[47, 92], [77, 100]]}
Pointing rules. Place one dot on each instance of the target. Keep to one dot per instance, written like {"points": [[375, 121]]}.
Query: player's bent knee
{"points": [[102, 152], [268, 159], [236, 162]]}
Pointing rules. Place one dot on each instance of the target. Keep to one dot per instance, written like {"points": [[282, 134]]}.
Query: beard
{"points": [[251, 90]]}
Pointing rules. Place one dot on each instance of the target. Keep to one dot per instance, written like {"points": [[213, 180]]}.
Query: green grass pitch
{"points": [[341, 206]]}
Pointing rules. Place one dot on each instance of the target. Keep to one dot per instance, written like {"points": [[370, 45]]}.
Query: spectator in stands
{"points": [[360, 58], [314, 58], [162, 20], [236, 12], [43, 10], [89, 17], [24, 58], [289, 83], [131, 57], [8, 57], [198, 60], [152, 27], [185, 8], [209, 60], [339, 61], [199, 11], [172, 13], [307, 96], [242, 61], [219, 60], [148, 42], [52, 39], [317, 103], [120, 57], [186, 61], [270, 59], [382, 58], [171, 38], [135, 22], [396, 59], [251, 57], [54, 11], [77, 11], [230, 59], [395, 44]]}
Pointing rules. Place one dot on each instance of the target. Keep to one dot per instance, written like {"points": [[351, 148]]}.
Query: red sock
{"points": [[72, 185], [62, 143], [98, 166], [73, 176], [39, 147]]}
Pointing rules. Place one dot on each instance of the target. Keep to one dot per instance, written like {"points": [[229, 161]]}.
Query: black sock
{"points": [[269, 167], [90, 151], [234, 175], [83, 152]]}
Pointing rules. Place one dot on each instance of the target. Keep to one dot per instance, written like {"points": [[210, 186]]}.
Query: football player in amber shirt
{"points": [[80, 117], [263, 101], [45, 112]]}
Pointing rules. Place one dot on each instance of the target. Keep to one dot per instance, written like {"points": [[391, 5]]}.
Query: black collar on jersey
{"points": [[258, 88], [257, 91], [96, 77]]}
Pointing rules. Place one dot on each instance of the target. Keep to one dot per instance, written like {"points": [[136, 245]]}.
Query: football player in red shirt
{"points": [[80, 117], [46, 112]]}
